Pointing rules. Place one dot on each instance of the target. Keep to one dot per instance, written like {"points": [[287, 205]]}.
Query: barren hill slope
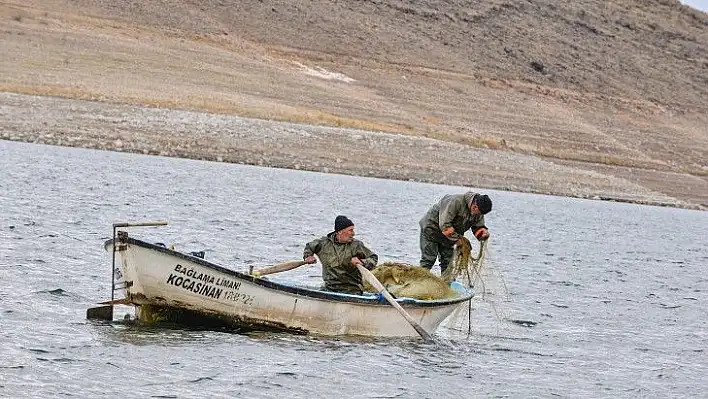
{"points": [[618, 87]]}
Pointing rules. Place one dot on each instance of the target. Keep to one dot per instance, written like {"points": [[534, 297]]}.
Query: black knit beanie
{"points": [[342, 222], [483, 203]]}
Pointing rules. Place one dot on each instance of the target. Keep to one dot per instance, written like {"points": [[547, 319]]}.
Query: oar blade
{"points": [[423, 334], [368, 276], [100, 313]]}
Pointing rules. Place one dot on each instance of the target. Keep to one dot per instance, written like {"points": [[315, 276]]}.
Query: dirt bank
{"points": [[589, 99], [226, 138]]}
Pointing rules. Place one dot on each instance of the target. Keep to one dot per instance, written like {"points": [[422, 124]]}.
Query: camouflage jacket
{"points": [[452, 210], [337, 270]]}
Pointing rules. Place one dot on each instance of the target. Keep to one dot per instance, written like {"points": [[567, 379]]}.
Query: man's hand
{"points": [[448, 231], [357, 261], [482, 234], [310, 259]]}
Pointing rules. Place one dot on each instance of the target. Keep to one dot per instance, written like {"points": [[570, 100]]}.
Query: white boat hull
{"points": [[156, 277]]}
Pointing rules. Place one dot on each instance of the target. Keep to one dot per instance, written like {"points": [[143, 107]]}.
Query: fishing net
{"points": [[464, 265], [412, 281], [486, 282], [409, 281]]}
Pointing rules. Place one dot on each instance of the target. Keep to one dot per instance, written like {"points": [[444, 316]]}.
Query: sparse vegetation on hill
{"points": [[619, 88]]}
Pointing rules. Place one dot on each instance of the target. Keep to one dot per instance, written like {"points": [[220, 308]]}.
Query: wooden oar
{"points": [[281, 267], [105, 312], [100, 312], [368, 276]]}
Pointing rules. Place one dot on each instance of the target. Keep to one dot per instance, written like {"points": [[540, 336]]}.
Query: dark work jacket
{"points": [[338, 272], [451, 211]]}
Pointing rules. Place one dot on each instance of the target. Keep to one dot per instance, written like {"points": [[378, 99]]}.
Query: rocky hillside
{"points": [[616, 87]]}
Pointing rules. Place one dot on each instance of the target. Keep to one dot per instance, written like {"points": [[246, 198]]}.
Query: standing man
{"points": [[339, 254], [447, 221]]}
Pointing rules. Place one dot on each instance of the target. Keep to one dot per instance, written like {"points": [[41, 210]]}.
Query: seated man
{"points": [[339, 254]]}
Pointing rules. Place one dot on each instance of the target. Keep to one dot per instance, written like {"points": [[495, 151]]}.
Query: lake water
{"points": [[583, 298]]}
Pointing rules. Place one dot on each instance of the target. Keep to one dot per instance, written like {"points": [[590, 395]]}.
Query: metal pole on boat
{"points": [[106, 312], [113, 262], [113, 265], [140, 224]]}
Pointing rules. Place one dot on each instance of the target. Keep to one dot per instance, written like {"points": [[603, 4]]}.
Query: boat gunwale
{"points": [[333, 296]]}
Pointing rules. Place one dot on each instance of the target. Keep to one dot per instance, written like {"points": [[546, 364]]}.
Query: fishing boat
{"points": [[165, 284]]}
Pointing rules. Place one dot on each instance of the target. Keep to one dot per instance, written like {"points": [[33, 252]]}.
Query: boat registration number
{"points": [[239, 297]]}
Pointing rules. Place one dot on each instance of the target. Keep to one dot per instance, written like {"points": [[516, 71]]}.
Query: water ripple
{"points": [[562, 312]]}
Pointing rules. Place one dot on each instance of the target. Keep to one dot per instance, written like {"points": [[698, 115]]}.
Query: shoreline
{"points": [[234, 139]]}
